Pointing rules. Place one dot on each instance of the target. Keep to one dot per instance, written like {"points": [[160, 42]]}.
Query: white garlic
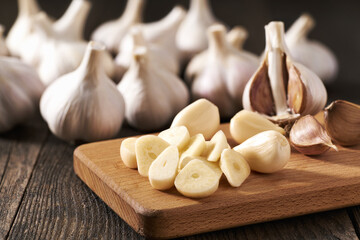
{"points": [[111, 33], [312, 54], [22, 26], [84, 104], [3, 48], [237, 37], [20, 91], [153, 96], [222, 76], [191, 37], [281, 88]]}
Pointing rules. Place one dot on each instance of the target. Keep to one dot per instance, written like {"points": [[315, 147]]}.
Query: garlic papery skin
{"points": [[3, 48], [153, 96], [20, 91], [266, 152], [342, 122], [111, 33], [222, 78], [191, 37], [22, 26], [312, 54], [309, 137], [84, 104], [281, 88]]}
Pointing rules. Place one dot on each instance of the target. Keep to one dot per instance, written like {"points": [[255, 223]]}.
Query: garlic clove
{"points": [[3, 48], [194, 148], [127, 152], [152, 95], [213, 165], [283, 89], [237, 37], [312, 54], [111, 33], [246, 124], [234, 167], [191, 37], [178, 136], [84, 104], [217, 144], [342, 122], [309, 137]]}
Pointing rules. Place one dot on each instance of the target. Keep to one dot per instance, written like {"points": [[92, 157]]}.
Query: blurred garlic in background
{"points": [[3, 48], [153, 95], [84, 104], [237, 37], [220, 73], [111, 33], [310, 53]]}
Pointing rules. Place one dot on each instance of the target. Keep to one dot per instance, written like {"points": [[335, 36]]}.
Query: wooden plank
{"points": [[306, 185], [19, 152]]}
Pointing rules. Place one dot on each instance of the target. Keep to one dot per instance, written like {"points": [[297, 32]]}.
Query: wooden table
{"points": [[42, 198]]}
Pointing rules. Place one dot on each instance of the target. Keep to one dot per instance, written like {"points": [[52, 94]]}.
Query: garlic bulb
{"points": [[22, 26], [281, 88], [191, 37], [153, 96], [84, 104], [111, 33], [20, 91], [161, 33], [222, 76], [160, 56], [237, 37], [3, 48], [312, 54]]}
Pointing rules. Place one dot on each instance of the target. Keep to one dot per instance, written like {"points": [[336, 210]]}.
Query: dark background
{"points": [[337, 26]]}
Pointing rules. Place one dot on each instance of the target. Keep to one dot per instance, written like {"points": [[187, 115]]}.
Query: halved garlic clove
{"points": [[194, 148], [342, 122], [283, 89], [213, 165], [216, 146], [177, 136], [127, 152], [234, 166], [309, 137]]}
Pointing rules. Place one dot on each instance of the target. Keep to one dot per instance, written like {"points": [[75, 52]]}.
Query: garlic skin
{"points": [[191, 37], [22, 26], [309, 137], [342, 122], [111, 33], [84, 104], [222, 78], [312, 54], [153, 96], [266, 91], [20, 91], [3, 48]]}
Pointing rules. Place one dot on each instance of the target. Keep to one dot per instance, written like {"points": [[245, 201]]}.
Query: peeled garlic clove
{"points": [[152, 95], [20, 91], [84, 104], [246, 124], [191, 37], [224, 75], [213, 165], [309, 137], [281, 88], [194, 148], [3, 48], [266, 152], [217, 144], [177, 136], [312, 54], [201, 116], [234, 167], [111, 33], [127, 152], [342, 122], [237, 37]]}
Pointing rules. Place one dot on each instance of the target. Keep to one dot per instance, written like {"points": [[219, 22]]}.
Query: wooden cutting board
{"points": [[305, 185]]}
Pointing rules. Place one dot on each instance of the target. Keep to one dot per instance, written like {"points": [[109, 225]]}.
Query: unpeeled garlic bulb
{"points": [[153, 96], [84, 104], [237, 36], [222, 76], [191, 37], [111, 33], [3, 48], [281, 88], [312, 54], [20, 91]]}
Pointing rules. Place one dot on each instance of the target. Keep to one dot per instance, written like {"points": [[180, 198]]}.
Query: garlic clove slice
{"points": [[127, 152], [178, 136], [342, 122], [234, 167], [309, 137]]}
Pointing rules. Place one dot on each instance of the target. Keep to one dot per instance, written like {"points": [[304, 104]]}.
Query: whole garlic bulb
{"points": [[312, 54], [20, 91], [153, 96], [84, 104], [237, 37], [191, 37], [111, 33], [3, 48], [281, 88], [22, 26], [221, 76]]}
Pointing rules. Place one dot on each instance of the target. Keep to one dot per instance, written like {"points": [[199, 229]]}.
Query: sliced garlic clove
{"points": [[217, 144], [342, 122], [234, 167], [213, 165], [127, 152], [194, 148], [309, 137], [177, 136]]}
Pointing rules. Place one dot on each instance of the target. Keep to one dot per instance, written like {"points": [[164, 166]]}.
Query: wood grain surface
{"points": [[306, 185]]}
